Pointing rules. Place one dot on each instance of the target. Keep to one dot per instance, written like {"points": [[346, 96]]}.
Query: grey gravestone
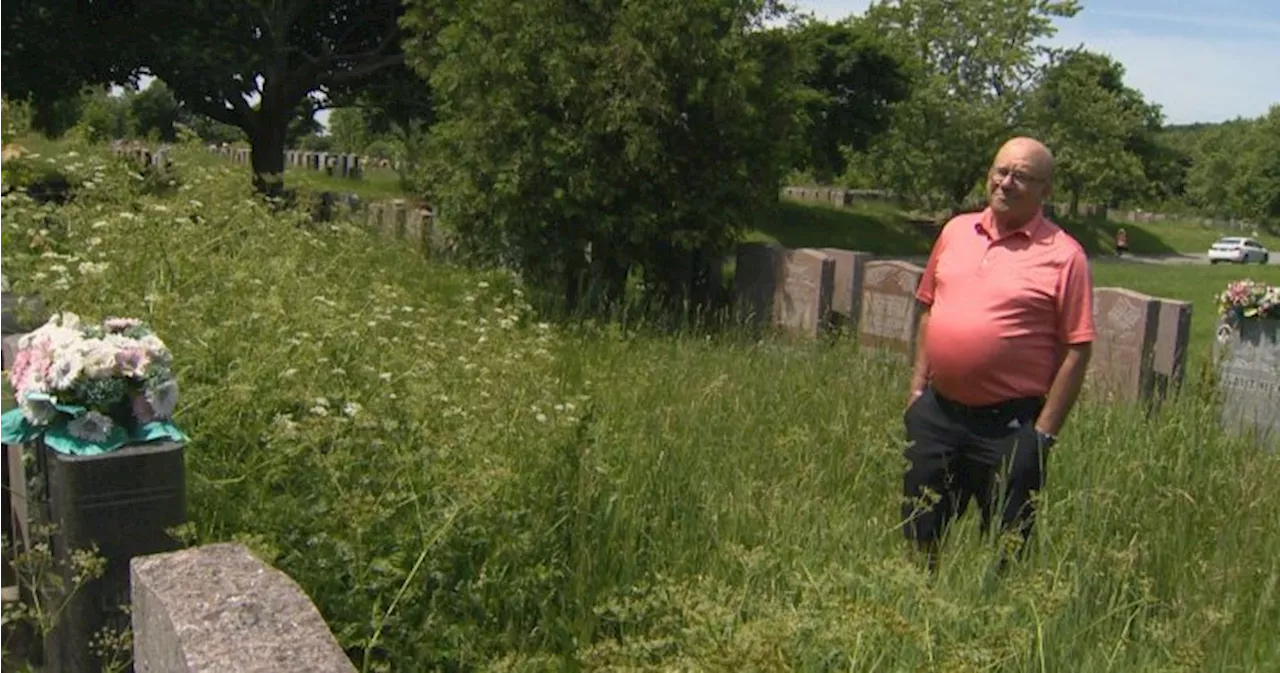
{"points": [[1250, 379], [1126, 322], [804, 296], [889, 314], [22, 313], [846, 301], [122, 503], [415, 229], [756, 278], [219, 608]]}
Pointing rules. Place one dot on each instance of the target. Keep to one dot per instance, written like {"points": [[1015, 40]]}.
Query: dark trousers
{"points": [[990, 454]]}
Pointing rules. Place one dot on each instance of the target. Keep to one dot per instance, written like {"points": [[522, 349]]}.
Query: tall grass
{"points": [[459, 486]]}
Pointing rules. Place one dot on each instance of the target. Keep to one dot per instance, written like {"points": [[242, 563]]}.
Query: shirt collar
{"points": [[986, 224]]}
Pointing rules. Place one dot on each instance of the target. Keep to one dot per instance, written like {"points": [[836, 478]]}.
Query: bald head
{"points": [[1031, 151], [1019, 181]]}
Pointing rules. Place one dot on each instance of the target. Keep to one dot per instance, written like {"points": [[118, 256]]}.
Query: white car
{"points": [[1240, 249]]}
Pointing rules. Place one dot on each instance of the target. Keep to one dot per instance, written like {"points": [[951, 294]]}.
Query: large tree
{"points": [[848, 83], [1096, 126], [581, 140], [971, 64], [257, 65], [1236, 169]]}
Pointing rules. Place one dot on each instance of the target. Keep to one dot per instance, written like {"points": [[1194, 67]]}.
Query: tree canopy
{"points": [[254, 64]]}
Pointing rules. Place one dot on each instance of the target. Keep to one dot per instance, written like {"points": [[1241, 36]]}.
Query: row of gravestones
{"points": [[1140, 354], [339, 165], [142, 155], [397, 220], [840, 197], [334, 164], [836, 196]]}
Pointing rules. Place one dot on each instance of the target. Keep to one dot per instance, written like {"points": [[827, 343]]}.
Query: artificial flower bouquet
{"points": [[86, 388], [1249, 299]]}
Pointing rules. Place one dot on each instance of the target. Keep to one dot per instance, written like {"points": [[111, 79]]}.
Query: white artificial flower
{"points": [[91, 427], [39, 409], [163, 398], [68, 365]]}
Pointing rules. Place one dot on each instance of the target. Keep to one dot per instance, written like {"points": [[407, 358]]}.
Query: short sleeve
{"points": [[1075, 301], [928, 280]]}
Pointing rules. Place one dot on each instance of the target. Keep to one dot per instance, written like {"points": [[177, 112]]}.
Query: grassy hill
{"points": [[460, 485]]}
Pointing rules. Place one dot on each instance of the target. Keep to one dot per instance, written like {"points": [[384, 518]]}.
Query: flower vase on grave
{"points": [[97, 473], [1248, 356]]}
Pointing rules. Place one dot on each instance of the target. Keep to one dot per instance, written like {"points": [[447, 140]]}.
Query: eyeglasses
{"points": [[1020, 177]]}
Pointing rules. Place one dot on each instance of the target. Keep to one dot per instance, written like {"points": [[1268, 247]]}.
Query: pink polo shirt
{"points": [[1002, 308]]}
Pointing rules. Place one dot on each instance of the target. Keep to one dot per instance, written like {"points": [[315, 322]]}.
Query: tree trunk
{"points": [[267, 156], [1074, 209]]}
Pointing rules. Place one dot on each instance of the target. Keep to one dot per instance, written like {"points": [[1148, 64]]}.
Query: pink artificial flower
{"points": [[18, 373], [132, 362]]}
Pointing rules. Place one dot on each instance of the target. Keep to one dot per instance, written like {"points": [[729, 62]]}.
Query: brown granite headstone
{"points": [[803, 298], [889, 311], [1173, 333], [1126, 322], [846, 301]]}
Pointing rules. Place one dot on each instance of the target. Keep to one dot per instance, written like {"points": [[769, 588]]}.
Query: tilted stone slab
{"points": [[756, 278], [219, 608], [846, 300]]}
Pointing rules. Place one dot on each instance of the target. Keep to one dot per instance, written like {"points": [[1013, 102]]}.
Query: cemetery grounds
{"points": [[459, 484]]}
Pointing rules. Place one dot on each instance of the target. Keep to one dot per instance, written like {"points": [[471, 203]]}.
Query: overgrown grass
{"points": [[461, 487]]}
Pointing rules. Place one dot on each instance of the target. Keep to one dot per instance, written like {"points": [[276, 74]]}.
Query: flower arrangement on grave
{"points": [[85, 388], [1249, 299]]}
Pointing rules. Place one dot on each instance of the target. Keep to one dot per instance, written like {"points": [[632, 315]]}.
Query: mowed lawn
{"points": [[884, 229]]}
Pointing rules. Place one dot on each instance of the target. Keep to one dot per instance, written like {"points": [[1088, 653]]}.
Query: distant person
{"points": [[1122, 242], [1005, 339]]}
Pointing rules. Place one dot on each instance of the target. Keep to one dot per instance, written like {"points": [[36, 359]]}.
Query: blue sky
{"points": [[1201, 60]]}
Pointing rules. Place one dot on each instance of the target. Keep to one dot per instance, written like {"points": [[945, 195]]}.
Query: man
{"points": [[1005, 331]]}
